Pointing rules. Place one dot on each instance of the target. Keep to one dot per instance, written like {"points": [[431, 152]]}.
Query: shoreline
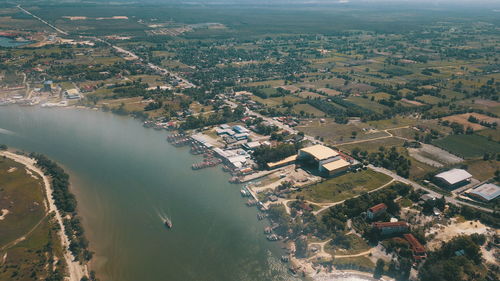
{"points": [[307, 265], [311, 273], [75, 270]]}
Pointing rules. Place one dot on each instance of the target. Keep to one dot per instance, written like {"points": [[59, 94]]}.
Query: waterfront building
{"points": [[327, 160]]}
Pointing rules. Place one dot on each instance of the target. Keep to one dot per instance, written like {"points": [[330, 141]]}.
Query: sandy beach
{"points": [[75, 270]]}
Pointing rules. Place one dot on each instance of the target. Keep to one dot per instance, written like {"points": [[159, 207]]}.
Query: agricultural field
{"points": [[468, 146]]}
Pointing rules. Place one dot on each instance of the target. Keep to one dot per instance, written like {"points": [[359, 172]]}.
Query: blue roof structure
{"points": [[487, 191]]}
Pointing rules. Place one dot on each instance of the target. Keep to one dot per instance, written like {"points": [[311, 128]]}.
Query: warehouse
{"points": [[318, 155], [327, 160], [335, 167], [485, 192], [453, 178]]}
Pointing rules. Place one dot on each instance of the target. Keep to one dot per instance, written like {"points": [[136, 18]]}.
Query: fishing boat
{"points": [[168, 223]]}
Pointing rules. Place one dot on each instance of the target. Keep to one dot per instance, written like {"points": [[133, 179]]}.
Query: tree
{"points": [[300, 247], [458, 259], [379, 269]]}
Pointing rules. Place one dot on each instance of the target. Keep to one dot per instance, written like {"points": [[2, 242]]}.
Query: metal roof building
{"points": [[336, 166], [486, 192], [319, 152], [454, 177]]}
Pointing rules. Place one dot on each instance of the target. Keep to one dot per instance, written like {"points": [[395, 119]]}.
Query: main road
{"points": [[390, 173], [120, 50], [280, 125]]}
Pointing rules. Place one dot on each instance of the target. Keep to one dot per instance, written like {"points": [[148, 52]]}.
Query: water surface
{"points": [[125, 177], [9, 42]]}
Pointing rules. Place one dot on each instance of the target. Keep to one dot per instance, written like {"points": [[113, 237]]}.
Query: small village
{"points": [[370, 152]]}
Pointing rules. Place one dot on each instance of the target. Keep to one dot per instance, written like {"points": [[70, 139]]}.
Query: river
{"points": [[9, 42], [125, 178]]}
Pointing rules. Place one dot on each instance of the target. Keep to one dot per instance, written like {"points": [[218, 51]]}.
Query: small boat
{"points": [[168, 223]]}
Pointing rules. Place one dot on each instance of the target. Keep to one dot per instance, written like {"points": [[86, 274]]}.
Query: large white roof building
{"points": [[454, 176], [486, 192]]}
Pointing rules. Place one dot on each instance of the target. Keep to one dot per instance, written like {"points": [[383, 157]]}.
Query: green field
{"points": [[344, 187], [468, 146], [28, 238], [356, 245], [22, 195]]}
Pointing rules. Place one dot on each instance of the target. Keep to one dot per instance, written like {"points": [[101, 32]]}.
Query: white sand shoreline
{"points": [[75, 270]]}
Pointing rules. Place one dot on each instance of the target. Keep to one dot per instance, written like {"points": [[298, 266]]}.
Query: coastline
{"points": [[79, 270], [76, 270]]}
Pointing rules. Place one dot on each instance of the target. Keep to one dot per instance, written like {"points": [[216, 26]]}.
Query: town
{"points": [[376, 151]]}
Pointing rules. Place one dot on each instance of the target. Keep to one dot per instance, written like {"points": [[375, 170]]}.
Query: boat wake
{"points": [[162, 215], [6, 132]]}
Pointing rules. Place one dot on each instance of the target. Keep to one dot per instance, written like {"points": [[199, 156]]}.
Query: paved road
{"points": [[130, 54], [270, 120], [417, 186], [43, 21]]}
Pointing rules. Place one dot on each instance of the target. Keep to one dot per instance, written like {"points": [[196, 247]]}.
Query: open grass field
{"points": [[429, 99], [30, 259], [22, 197], [463, 119], [353, 262], [482, 170], [344, 186], [28, 239], [373, 146], [357, 245], [368, 104], [468, 146], [334, 133], [493, 134], [306, 108]]}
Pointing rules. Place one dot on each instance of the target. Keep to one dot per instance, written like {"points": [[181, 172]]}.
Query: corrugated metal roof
{"points": [[287, 160], [454, 176], [320, 152], [488, 191], [335, 165]]}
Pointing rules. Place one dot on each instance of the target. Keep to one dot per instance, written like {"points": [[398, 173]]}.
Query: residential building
{"points": [[387, 228], [417, 248], [376, 210]]}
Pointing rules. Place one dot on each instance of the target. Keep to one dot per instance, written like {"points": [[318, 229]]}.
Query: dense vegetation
{"points": [[459, 259], [267, 154], [66, 203]]}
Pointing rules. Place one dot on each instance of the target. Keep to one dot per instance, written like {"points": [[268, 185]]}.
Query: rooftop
{"points": [[454, 176], [414, 243], [390, 224], [488, 191], [338, 164], [289, 159], [320, 152], [378, 208]]}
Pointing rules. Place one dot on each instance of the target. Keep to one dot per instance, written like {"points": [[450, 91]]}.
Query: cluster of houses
{"points": [[232, 134], [395, 228]]}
